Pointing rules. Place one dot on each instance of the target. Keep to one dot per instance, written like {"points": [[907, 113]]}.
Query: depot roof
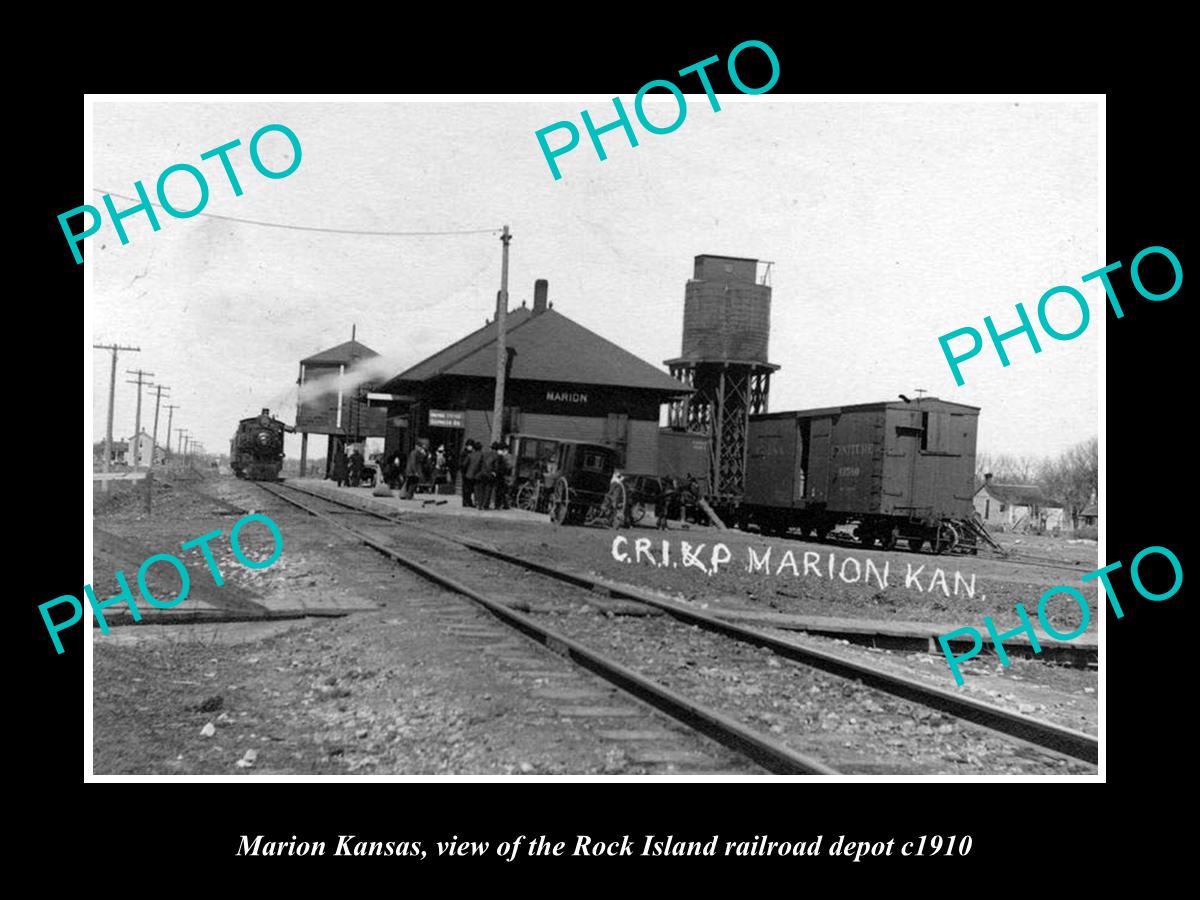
{"points": [[548, 347], [342, 354]]}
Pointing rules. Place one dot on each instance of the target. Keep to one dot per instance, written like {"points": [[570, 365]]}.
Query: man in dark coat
{"points": [[468, 481], [472, 471], [356, 466], [414, 471], [504, 477], [339, 467], [485, 480]]}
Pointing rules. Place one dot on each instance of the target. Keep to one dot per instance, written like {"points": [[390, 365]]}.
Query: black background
{"points": [[1020, 828]]}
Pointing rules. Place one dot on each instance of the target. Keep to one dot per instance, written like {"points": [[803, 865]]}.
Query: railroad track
{"points": [[1041, 737], [762, 749], [984, 553], [1025, 559]]}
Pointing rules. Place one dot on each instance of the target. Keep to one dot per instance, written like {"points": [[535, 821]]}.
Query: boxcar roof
{"points": [[926, 403]]}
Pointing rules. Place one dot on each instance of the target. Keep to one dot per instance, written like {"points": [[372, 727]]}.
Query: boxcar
{"points": [[896, 470]]}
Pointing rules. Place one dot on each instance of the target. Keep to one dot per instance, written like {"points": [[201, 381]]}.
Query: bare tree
{"points": [[1073, 478], [1006, 468]]}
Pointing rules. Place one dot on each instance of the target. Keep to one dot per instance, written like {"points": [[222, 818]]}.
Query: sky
{"points": [[889, 224]]}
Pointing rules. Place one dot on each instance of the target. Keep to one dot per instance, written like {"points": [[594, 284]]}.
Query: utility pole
{"points": [[179, 442], [112, 392], [501, 340], [158, 390], [171, 407], [137, 428]]}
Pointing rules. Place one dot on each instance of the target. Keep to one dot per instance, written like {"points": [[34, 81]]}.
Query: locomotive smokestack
{"points": [[266, 411], [541, 288]]}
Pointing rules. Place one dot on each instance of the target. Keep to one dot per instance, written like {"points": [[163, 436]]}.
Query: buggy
{"points": [[582, 487]]}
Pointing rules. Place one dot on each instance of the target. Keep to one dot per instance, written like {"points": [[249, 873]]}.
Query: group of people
{"points": [[487, 475], [486, 472], [348, 470]]}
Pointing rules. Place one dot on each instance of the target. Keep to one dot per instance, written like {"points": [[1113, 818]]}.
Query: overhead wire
{"points": [[356, 231]]}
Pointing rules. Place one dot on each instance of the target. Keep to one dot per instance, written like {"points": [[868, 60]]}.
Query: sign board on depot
{"points": [[447, 418]]}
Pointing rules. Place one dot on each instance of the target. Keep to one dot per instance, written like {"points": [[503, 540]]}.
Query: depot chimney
{"points": [[541, 288]]}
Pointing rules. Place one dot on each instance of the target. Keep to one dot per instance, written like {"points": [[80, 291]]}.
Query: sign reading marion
{"points": [[566, 397]]}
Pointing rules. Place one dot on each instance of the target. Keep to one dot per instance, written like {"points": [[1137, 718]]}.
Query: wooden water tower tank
{"points": [[726, 329]]}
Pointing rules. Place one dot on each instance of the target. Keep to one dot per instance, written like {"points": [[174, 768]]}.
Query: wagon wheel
{"points": [[527, 497], [560, 503], [613, 508], [947, 538]]}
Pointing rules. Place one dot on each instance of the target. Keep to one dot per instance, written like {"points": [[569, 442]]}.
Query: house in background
{"points": [[1090, 515], [1017, 507], [120, 451], [146, 450]]}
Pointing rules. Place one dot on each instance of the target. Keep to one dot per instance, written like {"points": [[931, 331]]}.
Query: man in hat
{"points": [[469, 466], [339, 467], [415, 470], [485, 480]]}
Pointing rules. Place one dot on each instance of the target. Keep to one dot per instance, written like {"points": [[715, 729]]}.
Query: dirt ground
{"points": [[408, 679], [423, 684], [802, 577]]}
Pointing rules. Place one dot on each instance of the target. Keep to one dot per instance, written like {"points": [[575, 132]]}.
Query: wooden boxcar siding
{"points": [[816, 489], [681, 453], [929, 482], [772, 454], [641, 449], [855, 462], [867, 461]]}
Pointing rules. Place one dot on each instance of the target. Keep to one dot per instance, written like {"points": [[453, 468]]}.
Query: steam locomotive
{"points": [[256, 451]]}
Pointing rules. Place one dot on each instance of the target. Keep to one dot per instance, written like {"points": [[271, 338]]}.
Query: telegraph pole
{"points": [[501, 340], [171, 407], [158, 390], [179, 444], [137, 428], [112, 392]]}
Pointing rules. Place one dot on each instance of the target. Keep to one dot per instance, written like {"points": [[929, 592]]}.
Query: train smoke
{"points": [[365, 371]]}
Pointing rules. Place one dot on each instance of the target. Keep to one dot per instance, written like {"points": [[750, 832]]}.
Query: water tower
{"points": [[726, 324]]}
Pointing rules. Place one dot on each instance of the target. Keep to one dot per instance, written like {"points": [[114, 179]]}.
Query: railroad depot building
{"points": [[563, 381]]}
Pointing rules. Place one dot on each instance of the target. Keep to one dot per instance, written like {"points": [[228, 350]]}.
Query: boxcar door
{"points": [[903, 435], [820, 431], [771, 448]]}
